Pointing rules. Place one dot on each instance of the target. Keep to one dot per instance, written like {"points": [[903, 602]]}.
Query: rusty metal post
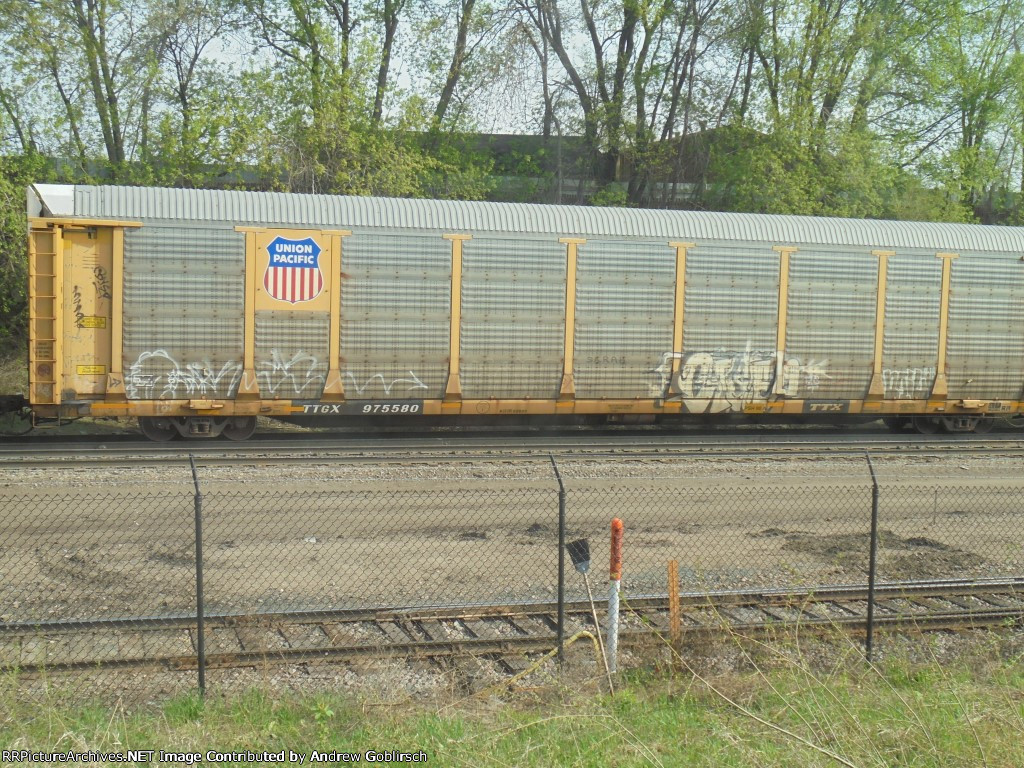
{"points": [[614, 585], [200, 612]]}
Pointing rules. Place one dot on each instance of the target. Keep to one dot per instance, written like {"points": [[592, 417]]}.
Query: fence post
{"points": [[200, 618], [872, 560], [561, 562], [675, 621], [614, 583]]}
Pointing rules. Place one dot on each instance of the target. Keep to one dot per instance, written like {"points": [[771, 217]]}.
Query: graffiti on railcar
{"points": [[101, 282], [724, 380], [156, 374], [76, 301], [902, 383], [413, 382], [172, 379], [301, 374]]}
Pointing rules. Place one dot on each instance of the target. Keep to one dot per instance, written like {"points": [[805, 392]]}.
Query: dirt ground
{"points": [[119, 543]]}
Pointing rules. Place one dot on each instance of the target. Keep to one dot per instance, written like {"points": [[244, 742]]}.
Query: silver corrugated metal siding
{"points": [[513, 318], [830, 326], [226, 207], [183, 313], [625, 294], [184, 285], [395, 316], [729, 325], [291, 353], [985, 348], [910, 347]]}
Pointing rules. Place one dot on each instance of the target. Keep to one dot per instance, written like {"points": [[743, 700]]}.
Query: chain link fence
{"points": [[95, 582], [266, 551]]}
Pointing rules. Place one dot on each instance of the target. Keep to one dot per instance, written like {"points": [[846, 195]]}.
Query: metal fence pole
{"points": [[561, 561], [872, 560], [200, 617]]}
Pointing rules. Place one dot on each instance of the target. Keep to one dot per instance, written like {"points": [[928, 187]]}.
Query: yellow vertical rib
{"points": [[567, 391], [941, 387], [335, 387], [784, 251], [877, 386], [58, 312], [248, 385], [115, 379], [453, 387], [678, 311]]}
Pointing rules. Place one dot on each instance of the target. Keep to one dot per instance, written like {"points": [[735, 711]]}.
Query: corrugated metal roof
{"points": [[155, 205]]}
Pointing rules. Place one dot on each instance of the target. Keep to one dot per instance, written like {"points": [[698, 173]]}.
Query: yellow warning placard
{"points": [[92, 370], [92, 321]]}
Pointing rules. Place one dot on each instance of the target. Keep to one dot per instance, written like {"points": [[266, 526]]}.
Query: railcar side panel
{"points": [[912, 300], [985, 348], [291, 354], [624, 309], [513, 318], [184, 299], [395, 315], [729, 328], [830, 328]]}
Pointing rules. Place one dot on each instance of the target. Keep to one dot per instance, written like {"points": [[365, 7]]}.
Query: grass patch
{"points": [[781, 705]]}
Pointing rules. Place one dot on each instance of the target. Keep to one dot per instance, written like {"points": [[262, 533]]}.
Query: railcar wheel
{"points": [[927, 425], [896, 423], [156, 429], [961, 424], [984, 425], [239, 427]]}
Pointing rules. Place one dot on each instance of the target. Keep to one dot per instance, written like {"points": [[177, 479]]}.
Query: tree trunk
{"points": [[458, 58], [392, 9]]}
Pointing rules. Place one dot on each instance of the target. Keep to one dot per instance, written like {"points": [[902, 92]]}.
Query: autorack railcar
{"points": [[196, 311]]}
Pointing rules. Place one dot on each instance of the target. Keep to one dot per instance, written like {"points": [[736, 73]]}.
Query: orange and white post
{"points": [[615, 582]]}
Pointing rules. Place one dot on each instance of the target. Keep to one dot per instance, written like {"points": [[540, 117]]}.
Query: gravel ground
{"points": [[118, 542], [577, 472]]}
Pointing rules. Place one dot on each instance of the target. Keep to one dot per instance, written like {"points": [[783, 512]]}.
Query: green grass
{"points": [[775, 707]]}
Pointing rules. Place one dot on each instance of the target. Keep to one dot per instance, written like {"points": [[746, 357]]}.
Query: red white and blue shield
{"points": [[293, 273]]}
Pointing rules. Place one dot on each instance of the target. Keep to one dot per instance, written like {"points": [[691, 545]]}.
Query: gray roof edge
{"points": [[165, 205]]}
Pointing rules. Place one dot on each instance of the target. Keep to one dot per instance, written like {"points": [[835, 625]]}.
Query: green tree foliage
{"points": [[15, 175], [910, 109]]}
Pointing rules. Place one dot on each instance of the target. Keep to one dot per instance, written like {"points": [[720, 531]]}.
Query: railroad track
{"points": [[505, 634], [305, 449]]}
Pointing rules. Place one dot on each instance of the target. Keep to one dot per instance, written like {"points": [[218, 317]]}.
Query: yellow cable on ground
{"points": [[537, 664]]}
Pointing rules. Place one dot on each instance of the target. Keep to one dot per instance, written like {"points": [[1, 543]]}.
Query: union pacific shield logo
{"points": [[293, 273]]}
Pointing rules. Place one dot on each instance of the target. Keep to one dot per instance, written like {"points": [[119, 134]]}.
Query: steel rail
{"points": [[530, 448], [999, 602], [843, 592]]}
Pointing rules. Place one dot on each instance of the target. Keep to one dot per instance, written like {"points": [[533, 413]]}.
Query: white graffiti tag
{"points": [[413, 382], [302, 374], [908, 383], [178, 380], [723, 380]]}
